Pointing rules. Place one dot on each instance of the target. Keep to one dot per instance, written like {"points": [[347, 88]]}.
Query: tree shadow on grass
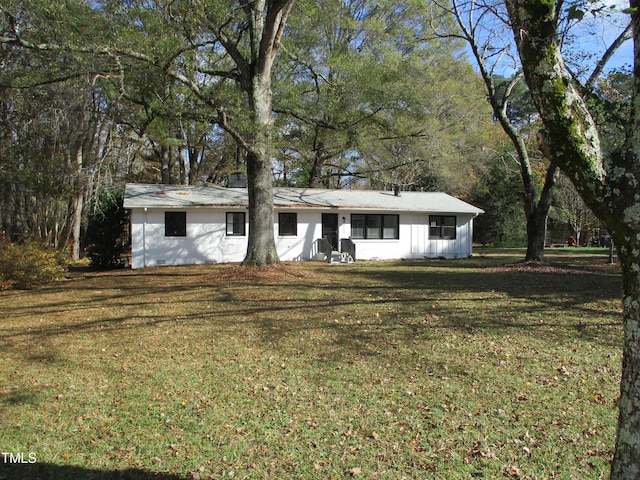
{"points": [[49, 471], [417, 300], [354, 306]]}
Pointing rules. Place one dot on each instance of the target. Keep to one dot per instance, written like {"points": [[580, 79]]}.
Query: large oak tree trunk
{"points": [[267, 19], [537, 216], [609, 188], [626, 462], [623, 217], [261, 249], [536, 233]]}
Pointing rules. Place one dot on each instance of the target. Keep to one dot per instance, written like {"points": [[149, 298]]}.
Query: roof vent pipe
{"points": [[396, 190]]}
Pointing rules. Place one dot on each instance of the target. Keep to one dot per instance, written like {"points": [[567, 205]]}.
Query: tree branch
{"points": [[115, 53], [623, 37]]}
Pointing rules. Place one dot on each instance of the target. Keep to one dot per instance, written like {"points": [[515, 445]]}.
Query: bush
{"points": [[503, 224], [29, 264], [107, 231]]}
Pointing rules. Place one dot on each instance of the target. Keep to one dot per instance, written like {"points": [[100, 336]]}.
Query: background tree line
{"points": [[365, 94]]}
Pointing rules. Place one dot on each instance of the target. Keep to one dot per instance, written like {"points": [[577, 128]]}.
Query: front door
{"points": [[330, 229], [420, 235]]}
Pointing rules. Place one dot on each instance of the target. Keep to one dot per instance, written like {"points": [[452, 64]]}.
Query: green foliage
{"points": [[30, 264], [107, 231], [367, 98], [575, 13], [610, 106], [503, 223], [521, 110]]}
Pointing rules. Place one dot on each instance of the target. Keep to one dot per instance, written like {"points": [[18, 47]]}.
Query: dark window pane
{"points": [[235, 224], [374, 226], [390, 228], [287, 224], [175, 224], [435, 223], [357, 226], [449, 228]]}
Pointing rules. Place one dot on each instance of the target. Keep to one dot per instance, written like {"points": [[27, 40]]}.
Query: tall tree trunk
{"points": [[261, 249], [536, 210], [318, 160], [609, 188], [183, 163], [314, 174], [536, 234], [537, 217], [166, 164], [626, 462], [78, 204], [267, 19], [194, 167]]}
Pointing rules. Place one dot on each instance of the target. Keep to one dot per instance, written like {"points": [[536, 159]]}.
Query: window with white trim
{"points": [[375, 226], [442, 227], [236, 224]]}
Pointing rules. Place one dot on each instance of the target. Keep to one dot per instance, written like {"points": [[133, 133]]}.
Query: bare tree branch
{"points": [[623, 37]]}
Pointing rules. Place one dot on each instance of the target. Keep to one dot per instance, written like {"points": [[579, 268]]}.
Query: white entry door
{"points": [[420, 235]]}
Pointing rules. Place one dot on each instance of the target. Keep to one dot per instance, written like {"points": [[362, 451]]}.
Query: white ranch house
{"points": [[180, 225]]}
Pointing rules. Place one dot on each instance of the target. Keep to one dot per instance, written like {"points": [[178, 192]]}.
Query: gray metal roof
{"points": [[183, 196]]}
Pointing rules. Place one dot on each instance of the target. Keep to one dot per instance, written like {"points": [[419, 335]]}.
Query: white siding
{"points": [[206, 240], [302, 246], [460, 247], [414, 241]]}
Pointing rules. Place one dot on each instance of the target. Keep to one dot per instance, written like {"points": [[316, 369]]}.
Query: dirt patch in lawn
{"points": [[536, 267], [268, 273]]}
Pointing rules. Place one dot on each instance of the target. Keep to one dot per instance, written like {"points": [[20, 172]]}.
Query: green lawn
{"points": [[477, 368]]}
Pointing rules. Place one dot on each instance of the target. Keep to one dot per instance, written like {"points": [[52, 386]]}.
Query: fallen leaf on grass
{"points": [[416, 446], [513, 471]]}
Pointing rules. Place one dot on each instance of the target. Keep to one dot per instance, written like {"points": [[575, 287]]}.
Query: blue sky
{"points": [[589, 40], [595, 34]]}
